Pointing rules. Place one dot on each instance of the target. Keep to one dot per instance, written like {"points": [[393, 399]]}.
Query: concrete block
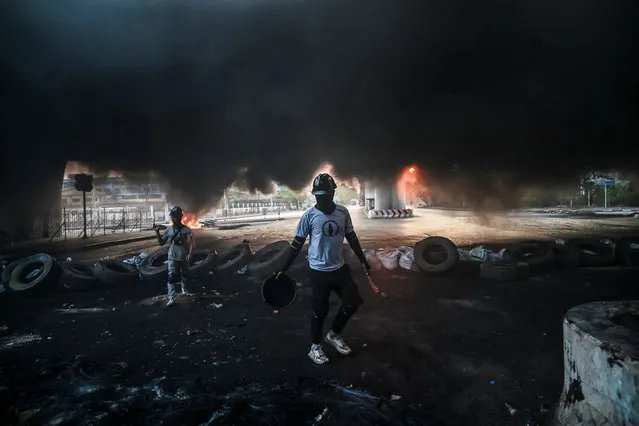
{"points": [[601, 365]]}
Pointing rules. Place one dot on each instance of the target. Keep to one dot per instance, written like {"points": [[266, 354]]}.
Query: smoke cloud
{"points": [[493, 94]]}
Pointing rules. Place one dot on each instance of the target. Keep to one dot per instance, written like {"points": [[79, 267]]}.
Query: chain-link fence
{"points": [[103, 221]]}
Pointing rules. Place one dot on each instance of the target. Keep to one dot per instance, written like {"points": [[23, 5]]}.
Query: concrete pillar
{"points": [[382, 197], [601, 365], [397, 201], [31, 191], [369, 190]]}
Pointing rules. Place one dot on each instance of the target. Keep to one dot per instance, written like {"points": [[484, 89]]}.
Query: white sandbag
{"points": [[389, 258], [478, 253], [407, 257], [372, 259], [464, 255]]}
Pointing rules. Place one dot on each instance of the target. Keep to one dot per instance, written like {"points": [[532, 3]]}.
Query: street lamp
{"points": [[411, 170]]}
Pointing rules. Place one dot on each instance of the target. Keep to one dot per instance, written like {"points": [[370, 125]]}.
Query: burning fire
{"points": [[191, 220]]}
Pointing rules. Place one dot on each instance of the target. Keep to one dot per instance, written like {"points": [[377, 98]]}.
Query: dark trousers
{"points": [[342, 283]]}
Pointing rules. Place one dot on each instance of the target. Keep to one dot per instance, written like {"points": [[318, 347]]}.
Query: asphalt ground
{"points": [[449, 350]]}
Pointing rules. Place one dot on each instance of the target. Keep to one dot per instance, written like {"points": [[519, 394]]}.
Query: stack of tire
{"points": [[33, 275], [542, 257], [627, 251], [270, 259], [154, 268], [595, 253], [79, 276], [518, 262], [233, 259]]}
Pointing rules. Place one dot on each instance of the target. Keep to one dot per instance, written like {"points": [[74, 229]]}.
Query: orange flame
{"points": [[191, 220]]}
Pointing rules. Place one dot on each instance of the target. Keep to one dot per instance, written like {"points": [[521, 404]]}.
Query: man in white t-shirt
{"points": [[180, 252], [328, 224]]}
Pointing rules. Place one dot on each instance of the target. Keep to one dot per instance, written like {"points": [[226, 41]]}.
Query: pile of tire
{"points": [[627, 251], [79, 276], [9, 262], [436, 255], [269, 259], [202, 262], [542, 257], [233, 259], [504, 271], [539, 255], [114, 272], [33, 275], [586, 253], [154, 267]]}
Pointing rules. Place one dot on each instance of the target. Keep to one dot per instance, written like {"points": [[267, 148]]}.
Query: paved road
{"points": [[454, 348], [465, 228]]}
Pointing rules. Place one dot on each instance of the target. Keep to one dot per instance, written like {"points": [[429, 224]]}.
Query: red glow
{"points": [[410, 184]]}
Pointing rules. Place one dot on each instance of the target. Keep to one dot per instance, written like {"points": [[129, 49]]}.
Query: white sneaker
{"points": [[317, 355], [170, 303], [338, 343]]}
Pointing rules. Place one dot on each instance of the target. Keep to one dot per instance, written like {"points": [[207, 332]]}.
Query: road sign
{"points": [[603, 182]]}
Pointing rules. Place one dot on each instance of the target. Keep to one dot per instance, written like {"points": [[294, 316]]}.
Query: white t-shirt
{"points": [[327, 233], [179, 249]]}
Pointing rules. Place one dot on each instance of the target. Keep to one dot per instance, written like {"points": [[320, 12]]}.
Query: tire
{"points": [[25, 282], [233, 259], [508, 272], [154, 267], [538, 255], [436, 254], [114, 272], [604, 254], [279, 292], [269, 259], [78, 276], [202, 263], [12, 262], [625, 253], [565, 258]]}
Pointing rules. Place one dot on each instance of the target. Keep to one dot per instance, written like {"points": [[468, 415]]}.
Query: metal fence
{"points": [[103, 221]]}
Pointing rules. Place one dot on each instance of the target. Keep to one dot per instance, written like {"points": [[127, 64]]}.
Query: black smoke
{"points": [[533, 91]]}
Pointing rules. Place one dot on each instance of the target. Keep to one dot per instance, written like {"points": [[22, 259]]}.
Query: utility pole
{"points": [[84, 183]]}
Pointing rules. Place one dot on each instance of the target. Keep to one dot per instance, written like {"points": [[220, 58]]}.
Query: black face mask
{"points": [[325, 203]]}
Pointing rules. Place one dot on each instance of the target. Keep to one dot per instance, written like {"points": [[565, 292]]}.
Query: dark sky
{"points": [[536, 90]]}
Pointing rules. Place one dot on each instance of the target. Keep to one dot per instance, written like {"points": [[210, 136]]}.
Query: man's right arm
{"points": [[162, 239], [303, 229]]}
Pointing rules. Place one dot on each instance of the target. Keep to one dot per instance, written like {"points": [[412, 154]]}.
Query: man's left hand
{"points": [[189, 257]]}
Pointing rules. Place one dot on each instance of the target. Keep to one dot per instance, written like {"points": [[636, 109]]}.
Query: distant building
{"points": [[114, 192]]}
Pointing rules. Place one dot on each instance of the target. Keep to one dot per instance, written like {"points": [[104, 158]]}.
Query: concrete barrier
{"points": [[601, 365]]}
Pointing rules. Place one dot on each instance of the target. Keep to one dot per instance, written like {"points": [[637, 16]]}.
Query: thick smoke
{"points": [[529, 91]]}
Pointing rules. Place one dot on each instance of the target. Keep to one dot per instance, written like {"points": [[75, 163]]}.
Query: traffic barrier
{"points": [[390, 214]]}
